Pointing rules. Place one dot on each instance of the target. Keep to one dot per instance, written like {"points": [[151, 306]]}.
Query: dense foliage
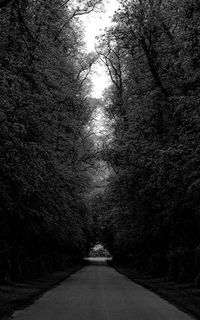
{"points": [[152, 201], [44, 147], [148, 214]]}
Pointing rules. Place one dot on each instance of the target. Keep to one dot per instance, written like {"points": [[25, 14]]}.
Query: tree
{"points": [[153, 149], [44, 112]]}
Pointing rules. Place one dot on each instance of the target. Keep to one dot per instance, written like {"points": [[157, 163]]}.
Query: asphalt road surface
{"points": [[98, 292]]}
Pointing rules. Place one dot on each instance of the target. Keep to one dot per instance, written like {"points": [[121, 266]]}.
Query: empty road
{"points": [[98, 292]]}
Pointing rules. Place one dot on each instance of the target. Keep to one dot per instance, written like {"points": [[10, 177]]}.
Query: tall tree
{"points": [[43, 113], [154, 148]]}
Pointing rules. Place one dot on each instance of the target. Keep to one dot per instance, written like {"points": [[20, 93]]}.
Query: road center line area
{"points": [[98, 292]]}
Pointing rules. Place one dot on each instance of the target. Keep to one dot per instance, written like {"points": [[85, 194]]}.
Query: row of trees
{"points": [[45, 145], [152, 203]]}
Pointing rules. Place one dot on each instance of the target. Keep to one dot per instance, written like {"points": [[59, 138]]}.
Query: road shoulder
{"points": [[185, 296], [20, 295]]}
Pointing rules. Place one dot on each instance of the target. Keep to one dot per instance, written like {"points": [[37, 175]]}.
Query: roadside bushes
{"points": [[181, 264], [29, 267]]}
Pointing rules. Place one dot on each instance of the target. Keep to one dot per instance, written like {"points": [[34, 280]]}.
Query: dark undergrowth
{"points": [[18, 295], [186, 296]]}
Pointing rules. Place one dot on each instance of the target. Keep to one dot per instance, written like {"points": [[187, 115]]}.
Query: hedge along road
{"points": [[98, 292]]}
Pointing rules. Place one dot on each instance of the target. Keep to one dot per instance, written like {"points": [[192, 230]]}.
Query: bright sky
{"points": [[94, 24]]}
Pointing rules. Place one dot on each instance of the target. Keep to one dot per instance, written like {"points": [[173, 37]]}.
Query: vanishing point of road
{"points": [[98, 292]]}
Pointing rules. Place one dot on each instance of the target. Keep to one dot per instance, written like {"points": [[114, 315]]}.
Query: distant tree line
{"points": [[151, 206], [44, 145]]}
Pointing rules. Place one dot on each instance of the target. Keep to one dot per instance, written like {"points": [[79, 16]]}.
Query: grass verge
{"points": [[20, 295], [185, 296]]}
